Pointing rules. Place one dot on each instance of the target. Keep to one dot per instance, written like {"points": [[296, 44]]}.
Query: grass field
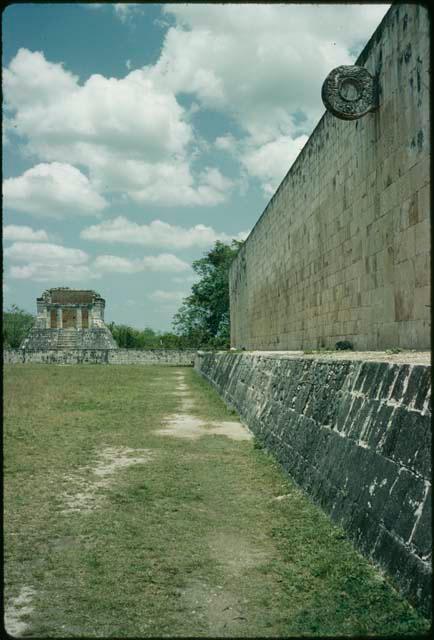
{"points": [[131, 510]]}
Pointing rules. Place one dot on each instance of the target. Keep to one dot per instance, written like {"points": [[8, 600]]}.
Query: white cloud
{"points": [[226, 143], [60, 273], [271, 161], [116, 264], [48, 262], [44, 251], [283, 54], [162, 262], [130, 133], [165, 183], [23, 233], [133, 136], [165, 262], [53, 190], [43, 261], [125, 11], [156, 234]]}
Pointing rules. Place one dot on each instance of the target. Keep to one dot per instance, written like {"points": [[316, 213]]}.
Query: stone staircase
{"points": [[69, 339]]}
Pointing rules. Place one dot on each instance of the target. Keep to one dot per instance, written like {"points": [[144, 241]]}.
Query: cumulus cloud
{"points": [[47, 262], [165, 262], [162, 262], [53, 190], [44, 251], [156, 234], [41, 272], [44, 261], [130, 133], [284, 52], [271, 161], [134, 137], [117, 264], [24, 233]]}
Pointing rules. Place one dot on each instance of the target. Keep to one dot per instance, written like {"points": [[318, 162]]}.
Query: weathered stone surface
{"points": [[349, 92], [101, 356], [356, 436]]}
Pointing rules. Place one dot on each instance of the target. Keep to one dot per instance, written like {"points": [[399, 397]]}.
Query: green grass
{"points": [[190, 543]]}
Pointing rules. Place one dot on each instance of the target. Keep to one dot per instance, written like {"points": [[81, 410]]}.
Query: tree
{"points": [[204, 319], [16, 326], [129, 338]]}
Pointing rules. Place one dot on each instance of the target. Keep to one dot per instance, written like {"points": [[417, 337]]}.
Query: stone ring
{"points": [[349, 92]]}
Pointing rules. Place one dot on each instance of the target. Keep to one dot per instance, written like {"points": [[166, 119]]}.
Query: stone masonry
{"points": [[356, 436], [342, 250], [169, 357], [69, 319]]}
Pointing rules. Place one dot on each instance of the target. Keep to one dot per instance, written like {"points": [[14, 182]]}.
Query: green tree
{"points": [[16, 326], [129, 338], [204, 319]]}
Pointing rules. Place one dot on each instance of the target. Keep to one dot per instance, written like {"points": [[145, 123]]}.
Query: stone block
{"points": [[401, 506], [422, 538], [408, 440]]}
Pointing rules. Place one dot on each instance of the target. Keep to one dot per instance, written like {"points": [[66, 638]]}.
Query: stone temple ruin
{"points": [[69, 319]]}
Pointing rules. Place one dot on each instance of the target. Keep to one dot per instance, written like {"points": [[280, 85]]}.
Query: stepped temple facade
{"points": [[69, 319]]}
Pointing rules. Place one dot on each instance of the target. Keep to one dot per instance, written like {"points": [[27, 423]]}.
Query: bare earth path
{"points": [[136, 505]]}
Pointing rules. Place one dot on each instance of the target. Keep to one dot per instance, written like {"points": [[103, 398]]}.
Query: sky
{"points": [[136, 135]]}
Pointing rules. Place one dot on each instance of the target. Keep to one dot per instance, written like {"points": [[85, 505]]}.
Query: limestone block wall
{"points": [[152, 356], [342, 251], [101, 356], [356, 436]]}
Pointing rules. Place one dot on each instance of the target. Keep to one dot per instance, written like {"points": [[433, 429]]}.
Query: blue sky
{"points": [[135, 135]]}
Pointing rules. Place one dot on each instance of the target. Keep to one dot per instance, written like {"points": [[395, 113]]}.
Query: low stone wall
{"points": [[101, 356], [152, 356], [356, 436]]}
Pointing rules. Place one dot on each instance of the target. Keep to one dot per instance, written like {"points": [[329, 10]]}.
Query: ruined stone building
{"points": [[69, 319]]}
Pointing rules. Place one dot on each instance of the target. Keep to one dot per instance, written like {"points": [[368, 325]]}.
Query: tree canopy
{"points": [[204, 317], [16, 325], [127, 337]]}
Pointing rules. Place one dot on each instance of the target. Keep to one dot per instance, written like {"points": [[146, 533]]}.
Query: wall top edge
{"points": [[406, 357]]}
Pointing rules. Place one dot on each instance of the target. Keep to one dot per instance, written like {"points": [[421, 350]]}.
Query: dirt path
{"points": [[137, 505]]}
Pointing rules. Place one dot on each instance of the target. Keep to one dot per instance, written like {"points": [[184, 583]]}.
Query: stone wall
{"points": [[356, 436], [152, 356], [342, 251], [101, 356]]}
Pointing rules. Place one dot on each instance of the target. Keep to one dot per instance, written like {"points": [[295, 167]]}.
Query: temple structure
{"points": [[69, 319]]}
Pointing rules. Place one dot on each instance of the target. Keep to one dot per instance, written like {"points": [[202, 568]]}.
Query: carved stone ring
{"points": [[349, 92]]}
